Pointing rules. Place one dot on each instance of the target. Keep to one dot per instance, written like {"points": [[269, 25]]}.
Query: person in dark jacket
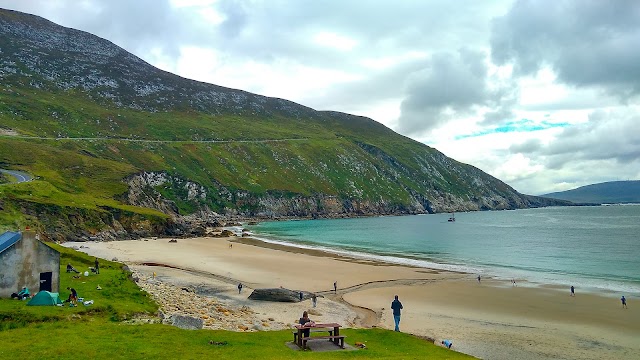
{"points": [[73, 297], [396, 305], [305, 321]]}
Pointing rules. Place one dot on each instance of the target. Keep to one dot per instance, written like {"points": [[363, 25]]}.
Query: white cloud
{"points": [[335, 41], [460, 77]]}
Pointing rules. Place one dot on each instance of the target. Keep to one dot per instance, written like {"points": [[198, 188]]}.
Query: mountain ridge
{"points": [[610, 192], [59, 83]]}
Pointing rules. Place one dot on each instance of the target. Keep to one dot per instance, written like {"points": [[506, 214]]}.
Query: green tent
{"points": [[45, 298]]}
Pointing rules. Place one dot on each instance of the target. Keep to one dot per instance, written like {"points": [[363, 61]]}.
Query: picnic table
{"points": [[332, 328]]}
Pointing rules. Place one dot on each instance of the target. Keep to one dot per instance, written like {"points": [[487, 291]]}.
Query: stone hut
{"points": [[25, 261]]}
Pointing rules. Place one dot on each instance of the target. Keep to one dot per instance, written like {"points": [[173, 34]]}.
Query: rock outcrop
{"points": [[278, 295]]}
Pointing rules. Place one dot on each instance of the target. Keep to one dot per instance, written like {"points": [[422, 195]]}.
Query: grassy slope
{"points": [[95, 332], [89, 173]]}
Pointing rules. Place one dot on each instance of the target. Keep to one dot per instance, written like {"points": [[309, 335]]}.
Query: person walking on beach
{"points": [[301, 295], [239, 288], [514, 282], [97, 264], [396, 305], [573, 291], [624, 302], [478, 279], [314, 300], [335, 286]]}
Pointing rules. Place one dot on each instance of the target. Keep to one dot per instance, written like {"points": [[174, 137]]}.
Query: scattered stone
{"points": [[212, 313], [173, 241]]}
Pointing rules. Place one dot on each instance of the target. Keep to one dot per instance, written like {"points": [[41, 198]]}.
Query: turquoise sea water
{"points": [[596, 249]]}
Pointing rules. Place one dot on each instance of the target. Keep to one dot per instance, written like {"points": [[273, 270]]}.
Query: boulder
{"points": [[226, 233], [278, 295], [187, 322]]}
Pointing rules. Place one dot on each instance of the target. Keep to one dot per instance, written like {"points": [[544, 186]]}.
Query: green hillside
{"points": [[116, 145]]}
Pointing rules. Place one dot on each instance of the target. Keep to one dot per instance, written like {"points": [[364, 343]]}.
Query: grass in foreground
{"points": [[96, 332]]}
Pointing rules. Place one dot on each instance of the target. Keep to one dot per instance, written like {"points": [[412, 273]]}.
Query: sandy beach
{"points": [[490, 320]]}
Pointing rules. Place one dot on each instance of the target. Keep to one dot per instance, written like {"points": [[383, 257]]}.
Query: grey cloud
{"points": [[378, 86], [451, 85], [498, 116], [235, 17], [586, 43], [607, 136], [527, 147], [605, 148]]}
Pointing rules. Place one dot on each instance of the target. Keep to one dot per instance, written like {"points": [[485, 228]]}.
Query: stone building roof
{"points": [[7, 239]]}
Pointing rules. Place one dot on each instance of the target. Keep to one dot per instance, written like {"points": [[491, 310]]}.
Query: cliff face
{"points": [[122, 148], [146, 190]]}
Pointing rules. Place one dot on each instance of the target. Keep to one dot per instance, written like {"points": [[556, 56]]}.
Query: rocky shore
{"points": [[183, 307]]}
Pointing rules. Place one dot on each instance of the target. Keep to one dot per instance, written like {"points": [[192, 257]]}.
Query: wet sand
{"points": [[491, 320]]}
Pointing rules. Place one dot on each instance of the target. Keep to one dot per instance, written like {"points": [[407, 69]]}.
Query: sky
{"points": [[544, 95]]}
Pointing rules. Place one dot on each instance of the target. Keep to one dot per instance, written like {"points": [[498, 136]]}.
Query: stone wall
{"points": [[22, 263]]}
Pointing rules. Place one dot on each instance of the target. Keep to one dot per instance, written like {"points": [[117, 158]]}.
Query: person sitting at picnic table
{"points": [[23, 294], [305, 321], [70, 268]]}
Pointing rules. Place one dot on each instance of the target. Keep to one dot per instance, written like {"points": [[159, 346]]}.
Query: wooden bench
{"points": [[295, 333], [340, 338]]}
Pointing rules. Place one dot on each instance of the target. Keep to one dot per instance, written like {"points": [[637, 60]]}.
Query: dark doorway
{"points": [[45, 281]]}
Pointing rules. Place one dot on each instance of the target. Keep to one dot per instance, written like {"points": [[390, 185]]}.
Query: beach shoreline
{"points": [[492, 319]]}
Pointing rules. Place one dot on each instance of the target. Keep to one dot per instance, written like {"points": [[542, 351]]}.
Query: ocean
{"points": [[595, 248]]}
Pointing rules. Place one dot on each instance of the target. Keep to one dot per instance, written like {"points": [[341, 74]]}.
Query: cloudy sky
{"points": [[544, 95]]}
